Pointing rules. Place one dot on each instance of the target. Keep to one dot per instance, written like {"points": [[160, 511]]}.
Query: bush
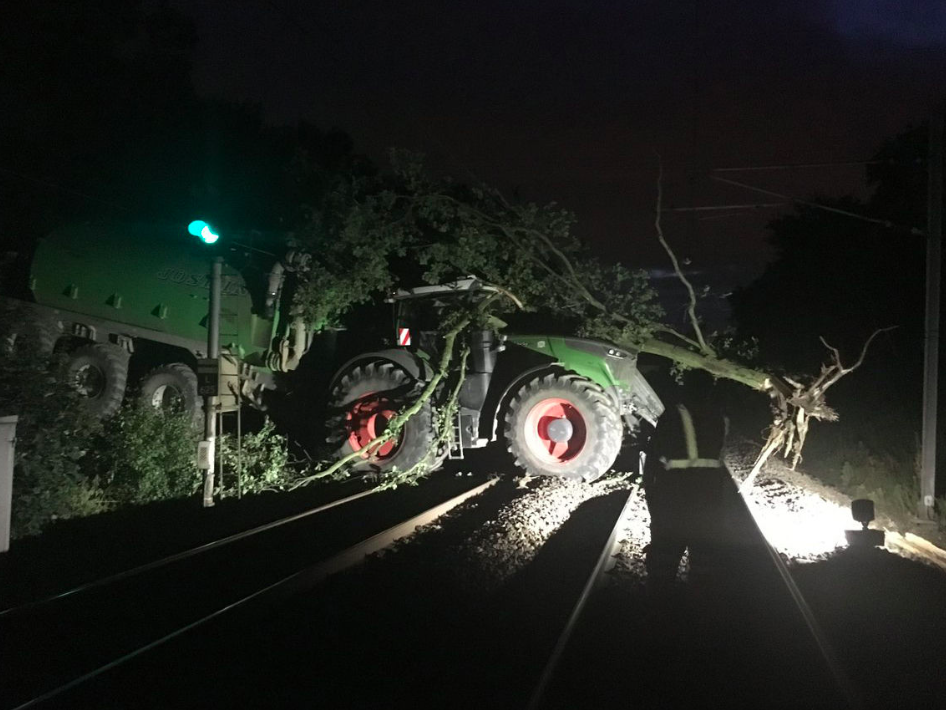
{"points": [[67, 464], [263, 457], [890, 483], [53, 436], [145, 455], [888, 477]]}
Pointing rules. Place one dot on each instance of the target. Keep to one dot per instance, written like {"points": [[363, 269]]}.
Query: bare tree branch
{"points": [[793, 414], [691, 308], [834, 373]]}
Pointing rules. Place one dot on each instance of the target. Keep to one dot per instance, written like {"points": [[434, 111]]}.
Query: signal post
{"points": [[208, 369]]}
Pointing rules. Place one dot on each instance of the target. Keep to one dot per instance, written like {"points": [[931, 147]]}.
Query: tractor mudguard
{"points": [[614, 369], [415, 366], [601, 362]]}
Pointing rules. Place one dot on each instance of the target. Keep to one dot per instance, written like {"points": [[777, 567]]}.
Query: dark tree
{"points": [[100, 120], [842, 278]]}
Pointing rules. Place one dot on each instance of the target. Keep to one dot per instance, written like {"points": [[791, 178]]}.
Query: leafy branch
{"points": [[396, 424]]}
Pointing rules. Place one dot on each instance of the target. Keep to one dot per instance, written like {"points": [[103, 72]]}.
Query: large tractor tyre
{"points": [[365, 400], [28, 335], [563, 425], [98, 373], [172, 388]]}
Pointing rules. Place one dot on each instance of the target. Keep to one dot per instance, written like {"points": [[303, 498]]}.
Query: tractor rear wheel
{"points": [[98, 373], [563, 425], [366, 399]]}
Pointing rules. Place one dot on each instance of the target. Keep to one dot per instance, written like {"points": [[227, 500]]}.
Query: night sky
{"points": [[569, 101]]}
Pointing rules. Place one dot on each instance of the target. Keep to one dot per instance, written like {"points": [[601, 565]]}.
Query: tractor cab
{"points": [[419, 312]]}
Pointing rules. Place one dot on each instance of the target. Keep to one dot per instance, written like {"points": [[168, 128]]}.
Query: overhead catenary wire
{"points": [[709, 208], [801, 166], [817, 205]]}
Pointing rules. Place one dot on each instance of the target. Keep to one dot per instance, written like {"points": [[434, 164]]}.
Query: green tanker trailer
{"points": [[128, 305]]}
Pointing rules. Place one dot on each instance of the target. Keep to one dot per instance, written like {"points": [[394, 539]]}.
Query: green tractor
{"points": [[561, 404]]}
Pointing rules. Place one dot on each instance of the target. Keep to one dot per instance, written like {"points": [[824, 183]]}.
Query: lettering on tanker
{"points": [[229, 287]]}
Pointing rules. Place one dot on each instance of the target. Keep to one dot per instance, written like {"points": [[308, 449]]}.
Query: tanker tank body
{"points": [[128, 305]]}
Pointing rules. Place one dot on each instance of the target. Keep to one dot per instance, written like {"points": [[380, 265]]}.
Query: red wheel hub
{"points": [[555, 431], [366, 420]]}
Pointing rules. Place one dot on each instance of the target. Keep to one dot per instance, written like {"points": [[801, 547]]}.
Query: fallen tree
{"points": [[406, 223]]}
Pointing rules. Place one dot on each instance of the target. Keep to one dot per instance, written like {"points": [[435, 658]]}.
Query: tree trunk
{"points": [[716, 366]]}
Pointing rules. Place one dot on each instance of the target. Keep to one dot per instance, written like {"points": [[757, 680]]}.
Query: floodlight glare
{"points": [[199, 228]]}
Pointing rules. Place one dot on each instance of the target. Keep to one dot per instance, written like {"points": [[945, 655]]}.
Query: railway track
{"points": [[597, 577], [748, 641], [30, 606], [410, 629], [34, 676]]}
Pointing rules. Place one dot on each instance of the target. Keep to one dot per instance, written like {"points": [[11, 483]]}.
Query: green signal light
{"points": [[199, 228]]}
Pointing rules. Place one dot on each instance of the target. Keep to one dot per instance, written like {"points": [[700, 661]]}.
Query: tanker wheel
{"points": [[563, 425], [28, 334], [98, 373], [171, 388], [366, 399]]}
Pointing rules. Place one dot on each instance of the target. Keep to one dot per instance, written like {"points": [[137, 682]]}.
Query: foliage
{"points": [[375, 234], [263, 458], [888, 478], [444, 417], [730, 343], [871, 454], [835, 277], [899, 177], [352, 255], [53, 436], [146, 455], [843, 278], [68, 465], [453, 326]]}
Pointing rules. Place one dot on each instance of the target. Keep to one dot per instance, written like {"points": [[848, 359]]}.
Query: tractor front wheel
{"points": [[366, 399], [563, 425]]}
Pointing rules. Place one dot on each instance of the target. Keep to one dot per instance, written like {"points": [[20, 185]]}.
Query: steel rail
{"points": [[818, 636], [292, 584], [604, 563], [176, 557]]}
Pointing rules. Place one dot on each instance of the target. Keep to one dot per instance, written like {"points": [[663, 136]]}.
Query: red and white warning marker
{"points": [[403, 336]]}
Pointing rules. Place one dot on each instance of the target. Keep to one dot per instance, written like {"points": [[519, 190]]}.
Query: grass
{"points": [[879, 462]]}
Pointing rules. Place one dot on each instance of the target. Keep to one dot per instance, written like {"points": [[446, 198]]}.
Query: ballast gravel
{"points": [[802, 519]]}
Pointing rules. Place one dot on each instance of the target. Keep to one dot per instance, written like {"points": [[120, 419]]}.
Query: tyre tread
{"points": [[605, 419]]}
